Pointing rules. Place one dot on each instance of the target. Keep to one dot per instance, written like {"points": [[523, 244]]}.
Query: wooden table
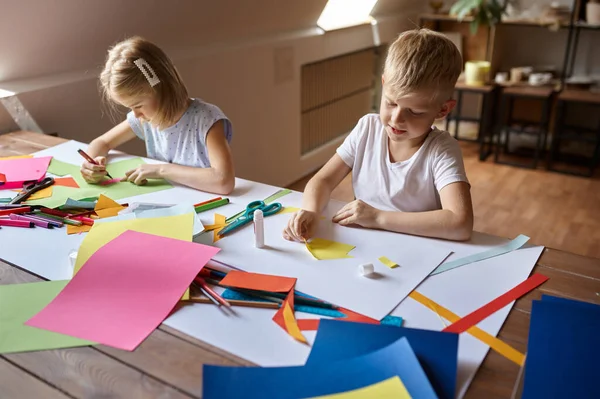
{"points": [[168, 364]]}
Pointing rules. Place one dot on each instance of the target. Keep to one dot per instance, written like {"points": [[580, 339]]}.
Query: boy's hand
{"points": [[143, 172], [357, 212], [301, 226], [94, 173]]}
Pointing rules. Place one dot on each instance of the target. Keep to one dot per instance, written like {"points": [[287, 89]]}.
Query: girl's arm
{"points": [[219, 178], [122, 133], [453, 222]]}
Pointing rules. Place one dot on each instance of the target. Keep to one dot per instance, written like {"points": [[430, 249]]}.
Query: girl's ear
{"points": [[447, 107]]}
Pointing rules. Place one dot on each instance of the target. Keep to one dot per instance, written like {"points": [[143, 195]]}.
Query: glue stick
{"points": [[259, 229]]}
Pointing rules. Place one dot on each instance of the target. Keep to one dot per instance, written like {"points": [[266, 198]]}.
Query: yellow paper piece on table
{"points": [[325, 249], [291, 209], [496, 344], [43, 193], [84, 228], [179, 227], [106, 207], [16, 157], [392, 388], [220, 223], [389, 263], [291, 324]]}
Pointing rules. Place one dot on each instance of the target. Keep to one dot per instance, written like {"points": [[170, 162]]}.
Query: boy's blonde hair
{"points": [[422, 59], [122, 77]]}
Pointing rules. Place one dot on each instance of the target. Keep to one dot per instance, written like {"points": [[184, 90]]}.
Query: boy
{"points": [[407, 176]]}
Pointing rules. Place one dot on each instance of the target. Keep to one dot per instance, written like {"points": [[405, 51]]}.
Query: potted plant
{"points": [[484, 12]]}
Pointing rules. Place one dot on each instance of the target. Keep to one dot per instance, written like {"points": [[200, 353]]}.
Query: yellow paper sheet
{"points": [[325, 249], [392, 388], [179, 227], [389, 263], [496, 344], [43, 193]]}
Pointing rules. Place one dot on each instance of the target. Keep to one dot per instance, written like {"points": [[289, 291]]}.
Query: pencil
{"points": [[91, 160], [207, 202], [200, 281], [237, 302], [210, 297]]}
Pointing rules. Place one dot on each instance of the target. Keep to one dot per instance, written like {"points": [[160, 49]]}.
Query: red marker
{"points": [[91, 160]]}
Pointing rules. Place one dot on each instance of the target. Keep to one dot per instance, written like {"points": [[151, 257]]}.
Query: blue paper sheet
{"points": [[563, 350], [396, 359], [490, 253], [437, 351]]}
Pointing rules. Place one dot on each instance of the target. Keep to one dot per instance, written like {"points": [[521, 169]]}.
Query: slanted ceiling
{"points": [[40, 38]]}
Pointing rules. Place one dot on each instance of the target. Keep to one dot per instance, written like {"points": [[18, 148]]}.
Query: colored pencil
{"points": [[53, 222], [6, 212], [55, 212], [61, 219], [91, 160], [237, 302], [84, 220], [200, 281], [211, 205], [207, 202]]}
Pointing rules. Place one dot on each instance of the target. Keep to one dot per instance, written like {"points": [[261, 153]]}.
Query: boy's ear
{"points": [[447, 107]]}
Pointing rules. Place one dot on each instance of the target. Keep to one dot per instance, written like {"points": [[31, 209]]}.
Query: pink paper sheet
{"points": [[125, 290], [20, 170]]}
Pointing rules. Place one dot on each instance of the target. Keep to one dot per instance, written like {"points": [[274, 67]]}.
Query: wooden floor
{"points": [[555, 210]]}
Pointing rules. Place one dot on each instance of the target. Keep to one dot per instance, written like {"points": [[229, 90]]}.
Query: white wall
{"points": [[224, 49]]}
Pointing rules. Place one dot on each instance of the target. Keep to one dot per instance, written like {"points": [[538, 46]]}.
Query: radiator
{"points": [[335, 93]]}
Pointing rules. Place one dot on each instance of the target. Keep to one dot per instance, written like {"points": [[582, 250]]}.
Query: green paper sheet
{"points": [[60, 168], [20, 302], [60, 194]]}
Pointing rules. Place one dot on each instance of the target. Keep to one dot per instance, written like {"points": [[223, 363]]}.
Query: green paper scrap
{"points": [[60, 194], [60, 168], [490, 253], [81, 204], [19, 303]]}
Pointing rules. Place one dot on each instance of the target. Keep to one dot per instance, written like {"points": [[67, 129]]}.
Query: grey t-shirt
{"points": [[184, 143]]}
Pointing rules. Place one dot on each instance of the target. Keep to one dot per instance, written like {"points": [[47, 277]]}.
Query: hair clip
{"points": [[147, 70]]}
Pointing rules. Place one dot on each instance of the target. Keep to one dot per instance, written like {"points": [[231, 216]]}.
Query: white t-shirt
{"points": [[184, 143], [408, 186]]}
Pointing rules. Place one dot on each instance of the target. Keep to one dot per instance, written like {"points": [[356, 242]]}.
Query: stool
{"points": [[569, 133], [507, 122], [484, 119]]}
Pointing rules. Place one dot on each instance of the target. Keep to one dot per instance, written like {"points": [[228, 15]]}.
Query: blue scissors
{"points": [[30, 188], [248, 215]]}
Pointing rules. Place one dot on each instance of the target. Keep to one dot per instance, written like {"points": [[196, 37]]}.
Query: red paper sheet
{"points": [[257, 281]]}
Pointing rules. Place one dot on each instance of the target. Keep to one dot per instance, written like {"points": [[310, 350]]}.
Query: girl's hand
{"points": [[301, 226], [94, 173], [142, 173], [357, 212]]}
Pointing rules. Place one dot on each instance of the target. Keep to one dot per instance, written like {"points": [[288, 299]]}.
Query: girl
{"points": [[189, 134]]}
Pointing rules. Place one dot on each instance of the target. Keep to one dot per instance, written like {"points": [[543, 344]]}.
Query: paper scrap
{"points": [[66, 182], [20, 302], [178, 227], [106, 207], [496, 344], [126, 289], [110, 181], [323, 249], [17, 171], [285, 319], [392, 388], [84, 228], [473, 318], [217, 226], [60, 194], [490, 253], [258, 281], [389, 263], [16, 157], [71, 203], [395, 359]]}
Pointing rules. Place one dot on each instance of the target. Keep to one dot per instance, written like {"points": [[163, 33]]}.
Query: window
{"points": [[339, 14]]}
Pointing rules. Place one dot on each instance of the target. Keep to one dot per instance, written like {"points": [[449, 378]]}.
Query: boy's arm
{"points": [[100, 146], [219, 178], [453, 222], [319, 188]]}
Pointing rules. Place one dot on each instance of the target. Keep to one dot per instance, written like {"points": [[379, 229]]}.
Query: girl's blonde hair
{"points": [[122, 77]]}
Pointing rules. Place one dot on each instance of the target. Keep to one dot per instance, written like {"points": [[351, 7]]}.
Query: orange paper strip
{"points": [[257, 281], [65, 182]]}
